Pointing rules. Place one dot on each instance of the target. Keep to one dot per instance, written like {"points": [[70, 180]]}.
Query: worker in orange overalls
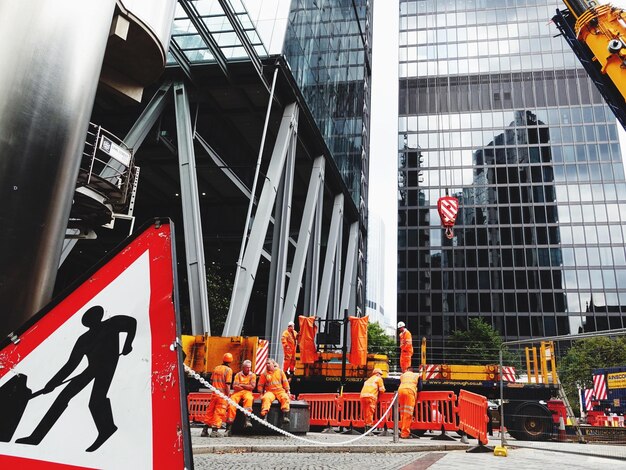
{"points": [[407, 395], [289, 340], [406, 347], [273, 385], [369, 397], [243, 386], [221, 379]]}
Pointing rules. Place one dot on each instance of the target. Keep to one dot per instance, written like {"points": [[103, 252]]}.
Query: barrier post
{"points": [[395, 421]]}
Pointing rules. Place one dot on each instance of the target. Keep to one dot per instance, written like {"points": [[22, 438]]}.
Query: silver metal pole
{"points": [[502, 439], [396, 418]]}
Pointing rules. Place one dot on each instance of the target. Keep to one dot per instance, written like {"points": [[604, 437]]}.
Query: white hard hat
{"points": [[291, 323], [401, 324]]}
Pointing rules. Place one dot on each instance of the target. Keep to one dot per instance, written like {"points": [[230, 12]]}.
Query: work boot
{"points": [[264, 417], [247, 424], [366, 428], [205, 431], [214, 433], [228, 431], [286, 418]]}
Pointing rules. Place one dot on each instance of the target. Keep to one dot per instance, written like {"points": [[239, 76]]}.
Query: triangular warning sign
{"points": [[94, 380]]}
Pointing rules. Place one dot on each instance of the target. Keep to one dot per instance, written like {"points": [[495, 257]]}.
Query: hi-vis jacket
{"points": [[221, 378], [372, 386], [241, 379], [274, 381]]}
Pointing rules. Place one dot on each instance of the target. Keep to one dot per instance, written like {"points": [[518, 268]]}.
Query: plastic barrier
{"points": [[432, 410], [324, 408], [197, 404], [473, 416]]}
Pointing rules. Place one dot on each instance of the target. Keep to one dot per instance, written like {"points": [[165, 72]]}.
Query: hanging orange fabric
{"points": [[358, 338], [306, 337]]}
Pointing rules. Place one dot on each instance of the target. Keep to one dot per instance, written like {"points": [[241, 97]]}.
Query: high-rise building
{"points": [[375, 292], [495, 110]]}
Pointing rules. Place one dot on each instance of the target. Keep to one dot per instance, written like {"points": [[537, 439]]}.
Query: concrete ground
{"points": [[346, 452]]}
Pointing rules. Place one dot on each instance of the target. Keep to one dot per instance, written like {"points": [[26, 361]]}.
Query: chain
{"points": [[207, 384]]}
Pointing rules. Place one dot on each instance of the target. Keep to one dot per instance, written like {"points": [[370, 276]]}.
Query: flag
{"points": [[599, 387]]}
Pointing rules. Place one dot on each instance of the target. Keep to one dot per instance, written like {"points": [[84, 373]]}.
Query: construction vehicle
{"points": [[597, 35], [531, 406], [609, 407]]}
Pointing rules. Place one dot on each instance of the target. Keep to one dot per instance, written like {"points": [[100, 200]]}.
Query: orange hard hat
{"points": [[228, 357]]}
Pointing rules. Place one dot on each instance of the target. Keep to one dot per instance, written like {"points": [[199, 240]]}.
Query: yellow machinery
{"points": [[329, 364], [203, 353], [603, 29]]}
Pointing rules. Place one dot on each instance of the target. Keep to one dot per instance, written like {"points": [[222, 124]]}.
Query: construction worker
{"points": [[221, 379], [289, 340], [407, 395], [406, 347], [273, 385], [369, 397], [243, 386]]}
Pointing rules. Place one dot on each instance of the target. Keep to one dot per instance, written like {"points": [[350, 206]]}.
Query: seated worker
{"points": [[407, 396], [273, 385], [243, 386], [369, 397], [221, 378]]}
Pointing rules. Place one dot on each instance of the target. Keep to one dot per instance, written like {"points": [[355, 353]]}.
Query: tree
{"points": [[479, 344], [378, 342], [585, 355], [219, 288]]}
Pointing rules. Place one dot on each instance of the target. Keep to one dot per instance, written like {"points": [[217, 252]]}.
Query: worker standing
{"points": [[407, 396], [290, 341], [369, 397], [406, 347], [220, 379], [243, 386], [273, 385]]}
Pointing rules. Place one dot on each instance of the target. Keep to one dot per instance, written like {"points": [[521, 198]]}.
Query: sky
{"points": [[383, 172]]}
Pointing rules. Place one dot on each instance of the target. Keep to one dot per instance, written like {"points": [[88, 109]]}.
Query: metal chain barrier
{"points": [[207, 384]]}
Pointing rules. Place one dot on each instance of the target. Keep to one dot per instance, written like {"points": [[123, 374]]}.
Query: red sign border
{"points": [[158, 236]]}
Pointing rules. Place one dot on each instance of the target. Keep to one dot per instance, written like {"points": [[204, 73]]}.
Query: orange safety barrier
{"points": [[197, 404], [473, 416], [434, 409], [324, 408]]}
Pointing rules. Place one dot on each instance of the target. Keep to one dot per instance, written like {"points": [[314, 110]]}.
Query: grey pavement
{"points": [[331, 451]]}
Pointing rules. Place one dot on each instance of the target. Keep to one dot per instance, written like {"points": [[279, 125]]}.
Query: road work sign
{"points": [[95, 379]]}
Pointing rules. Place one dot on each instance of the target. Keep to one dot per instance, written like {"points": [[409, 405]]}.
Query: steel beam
{"points": [[246, 271], [316, 185], [336, 223], [192, 223], [311, 282], [280, 247], [137, 134], [348, 293]]}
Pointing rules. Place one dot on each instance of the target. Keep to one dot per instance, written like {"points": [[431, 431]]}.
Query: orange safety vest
{"points": [[409, 380], [406, 342], [221, 378], [274, 381], [372, 386], [241, 379], [289, 341]]}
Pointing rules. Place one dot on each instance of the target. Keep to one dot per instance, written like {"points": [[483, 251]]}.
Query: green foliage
{"points": [[379, 343], [479, 344], [583, 357], [219, 287]]}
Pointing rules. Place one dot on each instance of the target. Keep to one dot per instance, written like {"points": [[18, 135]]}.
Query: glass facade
{"points": [[327, 48], [498, 112]]}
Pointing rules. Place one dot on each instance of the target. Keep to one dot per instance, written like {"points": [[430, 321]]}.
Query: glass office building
{"points": [[496, 111]]}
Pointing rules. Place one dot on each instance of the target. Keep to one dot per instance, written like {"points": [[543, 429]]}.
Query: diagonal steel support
{"points": [[348, 293], [336, 223], [280, 247], [192, 223], [246, 271], [316, 186], [311, 282], [137, 134]]}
